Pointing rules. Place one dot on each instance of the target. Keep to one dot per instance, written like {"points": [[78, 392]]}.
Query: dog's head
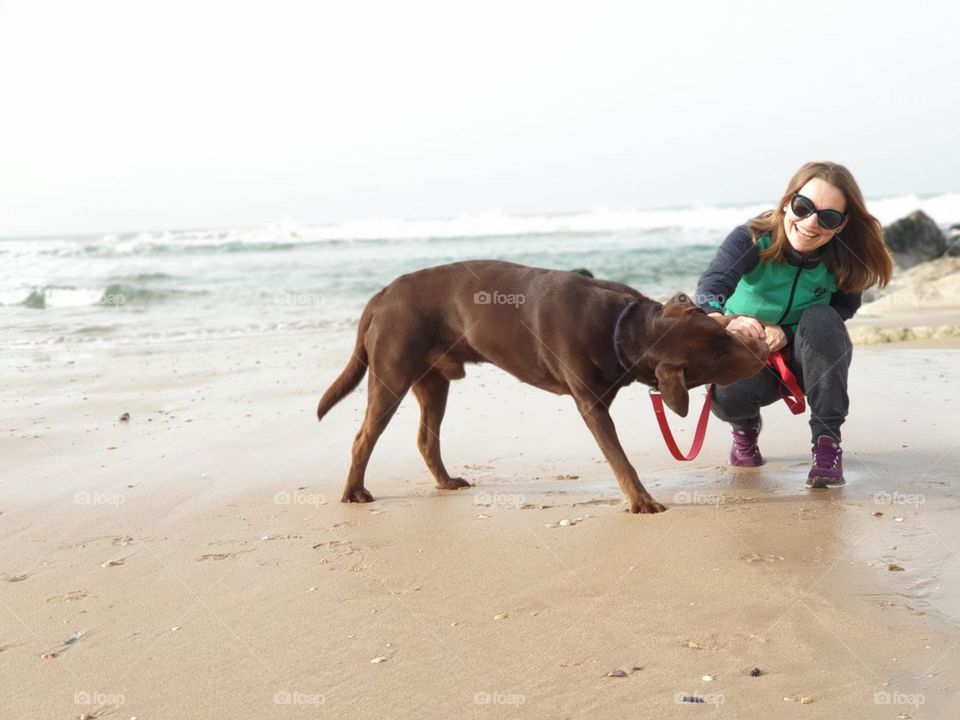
{"points": [[687, 349]]}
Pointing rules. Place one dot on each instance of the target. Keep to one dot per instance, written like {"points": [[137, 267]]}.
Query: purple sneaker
{"points": [[745, 452], [827, 470]]}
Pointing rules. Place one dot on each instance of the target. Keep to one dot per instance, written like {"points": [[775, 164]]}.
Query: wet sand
{"points": [[198, 561]]}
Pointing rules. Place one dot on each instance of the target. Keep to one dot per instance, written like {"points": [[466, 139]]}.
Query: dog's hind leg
{"points": [[383, 399], [431, 392]]}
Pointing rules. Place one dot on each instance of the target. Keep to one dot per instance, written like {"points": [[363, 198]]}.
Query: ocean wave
{"points": [[147, 277], [39, 298], [113, 295], [176, 245], [944, 209], [288, 234]]}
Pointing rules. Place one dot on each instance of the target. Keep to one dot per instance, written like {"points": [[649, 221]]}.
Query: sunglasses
{"points": [[803, 208]]}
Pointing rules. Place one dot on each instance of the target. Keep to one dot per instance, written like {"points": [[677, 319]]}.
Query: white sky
{"points": [[148, 115]]}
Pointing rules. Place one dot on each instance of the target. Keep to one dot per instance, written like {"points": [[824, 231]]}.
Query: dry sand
{"points": [[244, 589]]}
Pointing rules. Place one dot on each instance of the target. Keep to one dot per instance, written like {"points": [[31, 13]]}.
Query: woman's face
{"points": [[805, 234]]}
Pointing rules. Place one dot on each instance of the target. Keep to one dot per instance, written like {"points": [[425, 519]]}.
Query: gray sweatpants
{"points": [[820, 358]]}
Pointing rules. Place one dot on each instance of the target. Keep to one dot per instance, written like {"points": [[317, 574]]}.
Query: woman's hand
{"points": [[775, 337], [746, 326]]}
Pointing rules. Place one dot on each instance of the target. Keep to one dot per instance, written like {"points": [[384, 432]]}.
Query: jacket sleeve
{"points": [[737, 256], [846, 303]]}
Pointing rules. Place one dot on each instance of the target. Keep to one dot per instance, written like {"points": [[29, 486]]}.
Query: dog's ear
{"points": [[679, 305], [673, 388]]}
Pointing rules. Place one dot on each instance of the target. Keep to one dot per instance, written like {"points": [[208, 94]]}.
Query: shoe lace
{"points": [[746, 442], [826, 455]]}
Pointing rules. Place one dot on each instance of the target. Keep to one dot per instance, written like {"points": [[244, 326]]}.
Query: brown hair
{"points": [[857, 256]]}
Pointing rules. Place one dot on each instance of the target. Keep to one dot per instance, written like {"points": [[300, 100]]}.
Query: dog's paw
{"points": [[646, 506], [360, 495], [454, 484]]}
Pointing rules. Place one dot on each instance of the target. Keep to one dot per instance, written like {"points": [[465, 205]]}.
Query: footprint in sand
{"points": [[761, 557], [220, 556]]}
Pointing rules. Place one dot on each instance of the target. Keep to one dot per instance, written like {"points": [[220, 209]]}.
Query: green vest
{"points": [[779, 292]]}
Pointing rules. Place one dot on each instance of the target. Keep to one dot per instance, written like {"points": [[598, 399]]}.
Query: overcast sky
{"points": [[149, 115]]}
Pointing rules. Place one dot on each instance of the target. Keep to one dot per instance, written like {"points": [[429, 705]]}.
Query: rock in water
{"points": [[953, 240], [914, 239]]}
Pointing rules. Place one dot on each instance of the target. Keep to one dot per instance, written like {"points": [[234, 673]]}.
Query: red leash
{"points": [[657, 399], [797, 403], [792, 396]]}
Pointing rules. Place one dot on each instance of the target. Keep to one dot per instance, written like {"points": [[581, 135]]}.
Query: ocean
{"points": [[161, 287]]}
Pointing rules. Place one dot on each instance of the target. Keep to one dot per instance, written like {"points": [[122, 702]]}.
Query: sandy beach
{"points": [[194, 561], [199, 199]]}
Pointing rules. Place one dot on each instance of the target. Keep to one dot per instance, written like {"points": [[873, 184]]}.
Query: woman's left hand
{"points": [[775, 337]]}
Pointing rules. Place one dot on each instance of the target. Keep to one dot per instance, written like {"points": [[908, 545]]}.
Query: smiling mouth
{"points": [[804, 234]]}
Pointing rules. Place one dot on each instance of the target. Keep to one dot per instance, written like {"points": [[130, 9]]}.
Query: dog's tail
{"points": [[354, 371]]}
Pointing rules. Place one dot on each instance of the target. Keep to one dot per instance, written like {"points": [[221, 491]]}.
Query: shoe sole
{"points": [[817, 483]]}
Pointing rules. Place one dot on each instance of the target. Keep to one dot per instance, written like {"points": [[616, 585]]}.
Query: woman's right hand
{"points": [[747, 327]]}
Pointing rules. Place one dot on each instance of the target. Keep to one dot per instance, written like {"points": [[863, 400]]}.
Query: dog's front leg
{"points": [[597, 417]]}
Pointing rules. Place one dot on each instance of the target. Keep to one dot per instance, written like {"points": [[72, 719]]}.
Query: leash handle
{"points": [[657, 399], [793, 396]]}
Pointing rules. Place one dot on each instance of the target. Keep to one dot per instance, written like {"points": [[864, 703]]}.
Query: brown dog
{"points": [[557, 330]]}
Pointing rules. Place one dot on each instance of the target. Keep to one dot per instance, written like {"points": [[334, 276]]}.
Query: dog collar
{"points": [[616, 335]]}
